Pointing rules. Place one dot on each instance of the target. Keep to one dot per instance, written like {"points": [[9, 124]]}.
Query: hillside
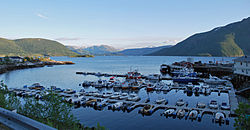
{"points": [[33, 47], [230, 40], [140, 51]]}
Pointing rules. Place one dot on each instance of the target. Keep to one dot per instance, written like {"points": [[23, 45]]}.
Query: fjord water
{"points": [[64, 76]]}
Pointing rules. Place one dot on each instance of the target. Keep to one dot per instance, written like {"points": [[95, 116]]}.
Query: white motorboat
{"points": [[116, 95], [117, 105], [214, 80], [133, 97], [219, 117], [224, 106], [107, 95], [160, 101], [181, 113], [193, 114], [180, 102], [124, 96], [213, 104], [169, 112], [158, 86], [201, 105]]}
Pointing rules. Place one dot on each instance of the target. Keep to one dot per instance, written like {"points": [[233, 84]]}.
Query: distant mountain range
{"points": [[141, 51], [33, 47], [109, 50], [230, 40], [93, 50]]}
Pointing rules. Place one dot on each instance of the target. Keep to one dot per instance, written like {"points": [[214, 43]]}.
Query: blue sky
{"points": [[120, 23]]}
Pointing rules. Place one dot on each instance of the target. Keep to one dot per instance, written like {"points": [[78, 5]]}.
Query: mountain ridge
{"points": [[229, 40], [33, 47]]}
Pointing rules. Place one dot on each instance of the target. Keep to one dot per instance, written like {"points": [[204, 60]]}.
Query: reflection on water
{"points": [[64, 76]]}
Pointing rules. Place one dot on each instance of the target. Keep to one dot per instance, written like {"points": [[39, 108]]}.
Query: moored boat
{"points": [[169, 112], [181, 113], [193, 114], [213, 104]]}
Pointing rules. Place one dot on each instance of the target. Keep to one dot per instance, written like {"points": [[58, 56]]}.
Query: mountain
{"points": [[33, 47], [140, 51], [94, 50], [230, 40]]}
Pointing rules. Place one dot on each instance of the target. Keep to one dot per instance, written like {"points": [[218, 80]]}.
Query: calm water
{"points": [[64, 76]]}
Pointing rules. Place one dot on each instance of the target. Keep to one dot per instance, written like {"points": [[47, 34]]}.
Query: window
{"points": [[242, 70], [240, 63]]}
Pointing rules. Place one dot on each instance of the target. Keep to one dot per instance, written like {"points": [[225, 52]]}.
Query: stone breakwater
{"points": [[6, 68]]}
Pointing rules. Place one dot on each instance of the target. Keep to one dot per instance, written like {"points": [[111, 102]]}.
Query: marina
{"points": [[128, 102], [100, 95]]}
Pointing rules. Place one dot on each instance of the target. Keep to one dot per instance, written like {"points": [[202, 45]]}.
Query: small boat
{"points": [[82, 91], [193, 114], [86, 84], [98, 74], [150, 87], [158, 86], [180, 102], [98, 95], [101, 103], [169, 112], [224, 106], [107, 95], [36, 86], [219, 117], [181, 113], [147, 109], [133, 97], [124, 96], [213, 104], [90, 102], [117, 105], [116, 95], [165, 88], [201, 105], [69, 91], [160, 101]]}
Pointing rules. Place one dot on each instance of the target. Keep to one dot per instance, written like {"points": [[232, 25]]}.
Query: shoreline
{"points": [[17, 66]]}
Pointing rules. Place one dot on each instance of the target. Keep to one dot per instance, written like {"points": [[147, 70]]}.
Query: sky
{"points": [[119, 23]]}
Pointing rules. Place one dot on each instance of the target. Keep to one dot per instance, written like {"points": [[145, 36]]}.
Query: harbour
{"points": [[85, 113]]}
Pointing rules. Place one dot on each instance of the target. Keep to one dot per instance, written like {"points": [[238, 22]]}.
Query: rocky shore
{"points": [[10, 67]]}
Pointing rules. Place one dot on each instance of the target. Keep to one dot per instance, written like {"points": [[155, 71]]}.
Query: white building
{"points": [[242, 66], [16, 59]]}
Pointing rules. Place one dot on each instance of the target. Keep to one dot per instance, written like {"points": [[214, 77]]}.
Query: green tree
{"points": [[242, 122]]}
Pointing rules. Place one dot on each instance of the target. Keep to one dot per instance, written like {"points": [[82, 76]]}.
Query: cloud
{"points": [[42, 16], [68, 39]]}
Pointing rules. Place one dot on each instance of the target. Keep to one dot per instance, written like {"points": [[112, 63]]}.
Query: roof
{"points": [[243, 59], [15, 57]]}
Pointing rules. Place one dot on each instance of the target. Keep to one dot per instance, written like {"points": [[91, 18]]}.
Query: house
{"points": [[16, 59], [242, 66]]}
